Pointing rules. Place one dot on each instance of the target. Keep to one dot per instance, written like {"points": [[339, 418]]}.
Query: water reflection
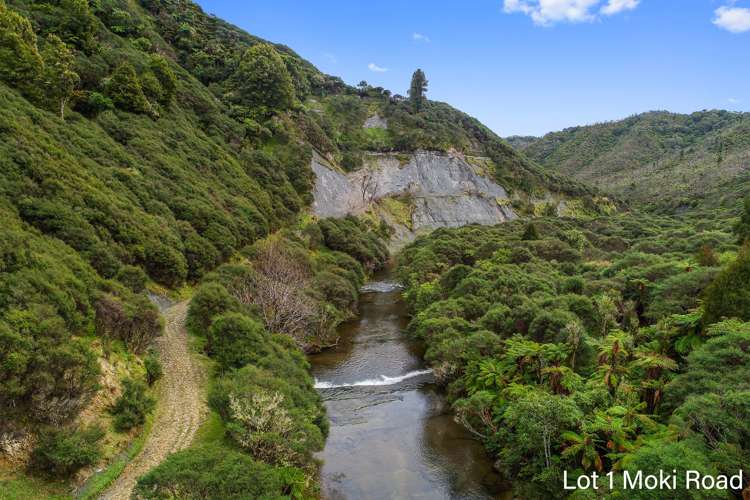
{"points": [[391, 433]]}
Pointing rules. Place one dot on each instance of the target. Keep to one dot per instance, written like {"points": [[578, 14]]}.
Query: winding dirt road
{"points": [[181, 407]]}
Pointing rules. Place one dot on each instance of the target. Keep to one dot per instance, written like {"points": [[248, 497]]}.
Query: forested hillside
{"points": [[611, 345], [143, 146], [665, 159]]}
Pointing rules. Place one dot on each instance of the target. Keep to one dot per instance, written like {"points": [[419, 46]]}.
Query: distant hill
{"points": [[660, 158]]}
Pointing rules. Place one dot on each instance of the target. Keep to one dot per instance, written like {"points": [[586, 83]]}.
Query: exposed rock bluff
{"points": [[423, 191]]}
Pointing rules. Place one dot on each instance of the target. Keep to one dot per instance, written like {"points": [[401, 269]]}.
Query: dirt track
{"points": [[181, 407]]}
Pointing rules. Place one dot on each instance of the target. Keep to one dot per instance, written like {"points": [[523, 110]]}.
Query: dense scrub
{"points": [[610, 344], [147, 143], [51, 302], [117, 167], [255, 318], [143, 145], [214, 472]]}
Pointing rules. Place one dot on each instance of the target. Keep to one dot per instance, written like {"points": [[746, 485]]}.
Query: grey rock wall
{"points": [[444, 189]]}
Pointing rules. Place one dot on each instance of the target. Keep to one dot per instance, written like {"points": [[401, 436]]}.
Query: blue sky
{"points": [[524, 66]]}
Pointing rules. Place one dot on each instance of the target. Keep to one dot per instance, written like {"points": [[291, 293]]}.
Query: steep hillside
{"points": [[143, 145], [659, 158]]}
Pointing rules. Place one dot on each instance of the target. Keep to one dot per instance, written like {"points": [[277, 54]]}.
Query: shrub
{"points": [[165, 264], [45, 376], [271, 408], [552, 249], [548, 326], [209, 301], [125, 90], [200, 254], [262, 81], [742, 228], [573, 284], [530, 233], [166, 77], [94, 104], [215, 472], [236, 340], [132, 406], [153, 368], [132, 277], [61, 452], [349, 236], [681, 456], [102, 259], [344, 261], [151, 87], [262, 426], [679, 293], [336, 289], [707, 257], [135, 321], [20, 62], [498, 319]]}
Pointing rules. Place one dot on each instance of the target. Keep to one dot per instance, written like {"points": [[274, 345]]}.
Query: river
{"points": [[392, 435]]}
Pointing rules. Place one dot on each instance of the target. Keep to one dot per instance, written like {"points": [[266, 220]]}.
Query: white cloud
{"points": [[733, 100], [419, 37], [616, 6], [732, 19], [376, 69], [548, 12]]}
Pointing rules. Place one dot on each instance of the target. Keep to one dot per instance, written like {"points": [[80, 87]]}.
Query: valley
{"points": [[225, 273]]}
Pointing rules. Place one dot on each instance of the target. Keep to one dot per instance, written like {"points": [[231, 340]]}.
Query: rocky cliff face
{"points": [[415, 193]]}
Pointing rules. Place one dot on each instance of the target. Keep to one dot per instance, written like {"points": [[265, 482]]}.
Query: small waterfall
{"points": [[382, 380]]}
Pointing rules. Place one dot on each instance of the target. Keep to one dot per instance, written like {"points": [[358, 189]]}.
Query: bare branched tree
{"points": [[277, 287]]}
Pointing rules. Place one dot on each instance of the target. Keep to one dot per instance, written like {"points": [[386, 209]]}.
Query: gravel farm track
{"points": [[181, 406]]}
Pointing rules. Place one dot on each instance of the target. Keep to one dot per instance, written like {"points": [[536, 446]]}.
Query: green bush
{"points": [[166, 77], [132, 277], [351, 237], [132, 406], [275, 387], [45, 375], [211, 300], [125, 90], [742, 228], [336, 289], [213, 472], [236, 340], [94, 104], [61, 452], [530, 233], [153, 368], [20, 62], [262, 82], [165, 264]]}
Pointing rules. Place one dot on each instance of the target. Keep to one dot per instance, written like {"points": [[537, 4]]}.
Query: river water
{"points": [[392, 435]]}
